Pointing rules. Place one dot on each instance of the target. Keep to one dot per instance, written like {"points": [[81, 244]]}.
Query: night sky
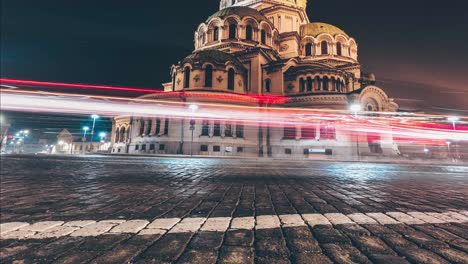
{"points": [[416, 48]]}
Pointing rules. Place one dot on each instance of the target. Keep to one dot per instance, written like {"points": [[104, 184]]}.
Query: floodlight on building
{"points": [[193, 107]]}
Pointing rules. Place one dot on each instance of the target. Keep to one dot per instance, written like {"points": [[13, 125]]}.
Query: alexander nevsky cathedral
{"points": [[253, 48]]}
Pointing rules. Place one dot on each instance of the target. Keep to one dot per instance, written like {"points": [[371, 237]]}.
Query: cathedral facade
{"points": [[262, 48]]}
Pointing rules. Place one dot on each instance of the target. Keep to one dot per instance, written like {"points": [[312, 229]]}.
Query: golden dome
{"points": [[317, 28]]}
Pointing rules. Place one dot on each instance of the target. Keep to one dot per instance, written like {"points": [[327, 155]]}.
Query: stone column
{"points": [[211, 128], [298, 132], [162, 126], [222, 125], [234, 129], [153, 126]]}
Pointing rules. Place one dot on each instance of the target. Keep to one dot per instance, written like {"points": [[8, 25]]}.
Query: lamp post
{"points": [[85, 128], [355, 108], [102, 135], [94, 117], [193, 108]]}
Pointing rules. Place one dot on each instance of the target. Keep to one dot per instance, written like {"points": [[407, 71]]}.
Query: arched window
{"points": [[231, 77], [186, 77], [117, 135], [263, 36], [248, 32], [302, 85], [325, 83], [122, 135], [268, 85], [204, 38], [333, 84], [233, 2], [216, 33], [308, 50], [324, 46], [209, 76], [232, 31], [309, 84], [339, 51]]}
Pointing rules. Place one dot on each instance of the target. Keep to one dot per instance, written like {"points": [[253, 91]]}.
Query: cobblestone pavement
{"points": [[160, 210]]}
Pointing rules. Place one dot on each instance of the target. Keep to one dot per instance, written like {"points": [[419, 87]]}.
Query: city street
{"points": [[116, 209]]}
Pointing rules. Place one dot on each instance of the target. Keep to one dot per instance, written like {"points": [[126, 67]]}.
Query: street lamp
{"points": [[102, 135], [85, 128], [193, 108], [355, 108], [453, 119], [94, 117]]}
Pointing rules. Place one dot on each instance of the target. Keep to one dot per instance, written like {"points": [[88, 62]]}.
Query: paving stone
{"points": [[425, 217], [58, 231], [372, 245], [404, 218], [198, 257], [152, 231], [379, 258], [344, 254], [243, 223], [96, 229], [424, 240], [418, 255], [163, 223], [18, 234], [41, 226], [216, 224], [236, 255], [8, 227], [437, 233], [316, 220], [326, 235], [355, 230], [267, 222], [207, 240], [188, 225], [309, 257], [79, 223], [239, 237], [132, 226], [382, 218], [128, 250], [338, 219], [445, 217], [292, 220], [168, 248], [360, 218], [453, 255]]}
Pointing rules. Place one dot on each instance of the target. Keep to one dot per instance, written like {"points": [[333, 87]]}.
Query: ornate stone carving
{"points": [[196, 78], [220, 78]]}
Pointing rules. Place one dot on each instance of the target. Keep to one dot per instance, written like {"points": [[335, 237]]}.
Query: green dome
{"points": [[317, 28], [213, 56], [240, 11]]}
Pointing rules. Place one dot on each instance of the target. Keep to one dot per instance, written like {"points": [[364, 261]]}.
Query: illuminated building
{"points": [[266, 48]]}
